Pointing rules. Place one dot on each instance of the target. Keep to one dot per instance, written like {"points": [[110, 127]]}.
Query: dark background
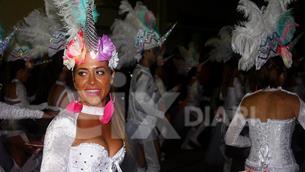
{"points": [[197, 19]]}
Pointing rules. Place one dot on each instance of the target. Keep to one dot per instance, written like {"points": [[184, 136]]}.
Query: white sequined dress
{"points": [[59, 155], [270, 141]]}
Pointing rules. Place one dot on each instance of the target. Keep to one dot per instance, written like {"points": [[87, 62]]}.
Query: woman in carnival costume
{"points": [[44, 32], [88, 135], [264, 41]]}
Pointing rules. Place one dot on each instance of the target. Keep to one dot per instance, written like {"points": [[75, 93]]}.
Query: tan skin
{"points": [[149, 57], [94, 75], [284, 105], [56, 91]]}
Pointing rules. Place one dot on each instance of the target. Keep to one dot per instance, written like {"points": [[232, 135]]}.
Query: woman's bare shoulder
{"points": [[287, 97], [287, 101], [250, 97]]}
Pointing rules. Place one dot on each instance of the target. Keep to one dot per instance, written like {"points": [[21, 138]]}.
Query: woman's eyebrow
{"points": [[94, 67], [100, 67], [81, 69]]}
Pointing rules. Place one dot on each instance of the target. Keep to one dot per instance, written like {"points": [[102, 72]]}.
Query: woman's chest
{"points": [[89, 157]]}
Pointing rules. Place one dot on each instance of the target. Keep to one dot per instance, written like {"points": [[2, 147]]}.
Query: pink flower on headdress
{"points": [[150, 20], [106, 48], [75, 48], [286, 55]]}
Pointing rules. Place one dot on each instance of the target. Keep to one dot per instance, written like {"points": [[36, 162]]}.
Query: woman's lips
{"points": [[92, 92]]}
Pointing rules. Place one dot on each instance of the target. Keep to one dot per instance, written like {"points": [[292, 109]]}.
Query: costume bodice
{"points": [[270, 141], [93, 157], [59, 154], [271, 144]]}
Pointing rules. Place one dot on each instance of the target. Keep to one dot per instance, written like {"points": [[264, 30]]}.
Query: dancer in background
{"points": [[15, 112], [270, 112], [11, 112], [61, 92], [139, 42]]}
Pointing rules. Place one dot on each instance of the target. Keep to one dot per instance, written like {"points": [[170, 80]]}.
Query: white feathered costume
{"points": [[265, 34], [137, 32]]}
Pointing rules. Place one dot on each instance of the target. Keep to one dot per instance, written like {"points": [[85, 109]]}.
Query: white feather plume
{"points": [[132, 17], [248, 36], [222, 50], [65, 11], [72, 12], [51, 10], [124, 33], [285, 3], [37, 30], [125, 7], [272, 13], [135, 33], [123, 38]]}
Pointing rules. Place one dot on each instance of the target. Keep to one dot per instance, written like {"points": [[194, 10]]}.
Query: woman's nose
{"points": [[92, 79]]}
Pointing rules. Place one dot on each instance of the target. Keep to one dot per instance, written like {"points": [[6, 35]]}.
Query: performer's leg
{"points": [[5, 161], [151, 156]]}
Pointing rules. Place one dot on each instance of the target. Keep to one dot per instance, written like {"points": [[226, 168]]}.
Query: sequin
{"points": [[60, 155], [270, 141]]}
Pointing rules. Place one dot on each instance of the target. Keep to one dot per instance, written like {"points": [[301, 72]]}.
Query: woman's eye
{"points": [[82, 73], [100, 72]]}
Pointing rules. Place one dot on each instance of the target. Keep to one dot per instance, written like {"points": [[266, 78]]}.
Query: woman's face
{"points": [[92, 81], [152, 55]]}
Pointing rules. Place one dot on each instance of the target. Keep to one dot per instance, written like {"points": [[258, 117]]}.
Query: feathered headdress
{"points": [[18, 52], [266, 34], [42, 33], [58, 39], [79, 18], [137, 32], [5, 41], [222, 50]]}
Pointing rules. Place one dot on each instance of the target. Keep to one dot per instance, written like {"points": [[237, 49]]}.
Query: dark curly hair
{"points": [[272, 74]]}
